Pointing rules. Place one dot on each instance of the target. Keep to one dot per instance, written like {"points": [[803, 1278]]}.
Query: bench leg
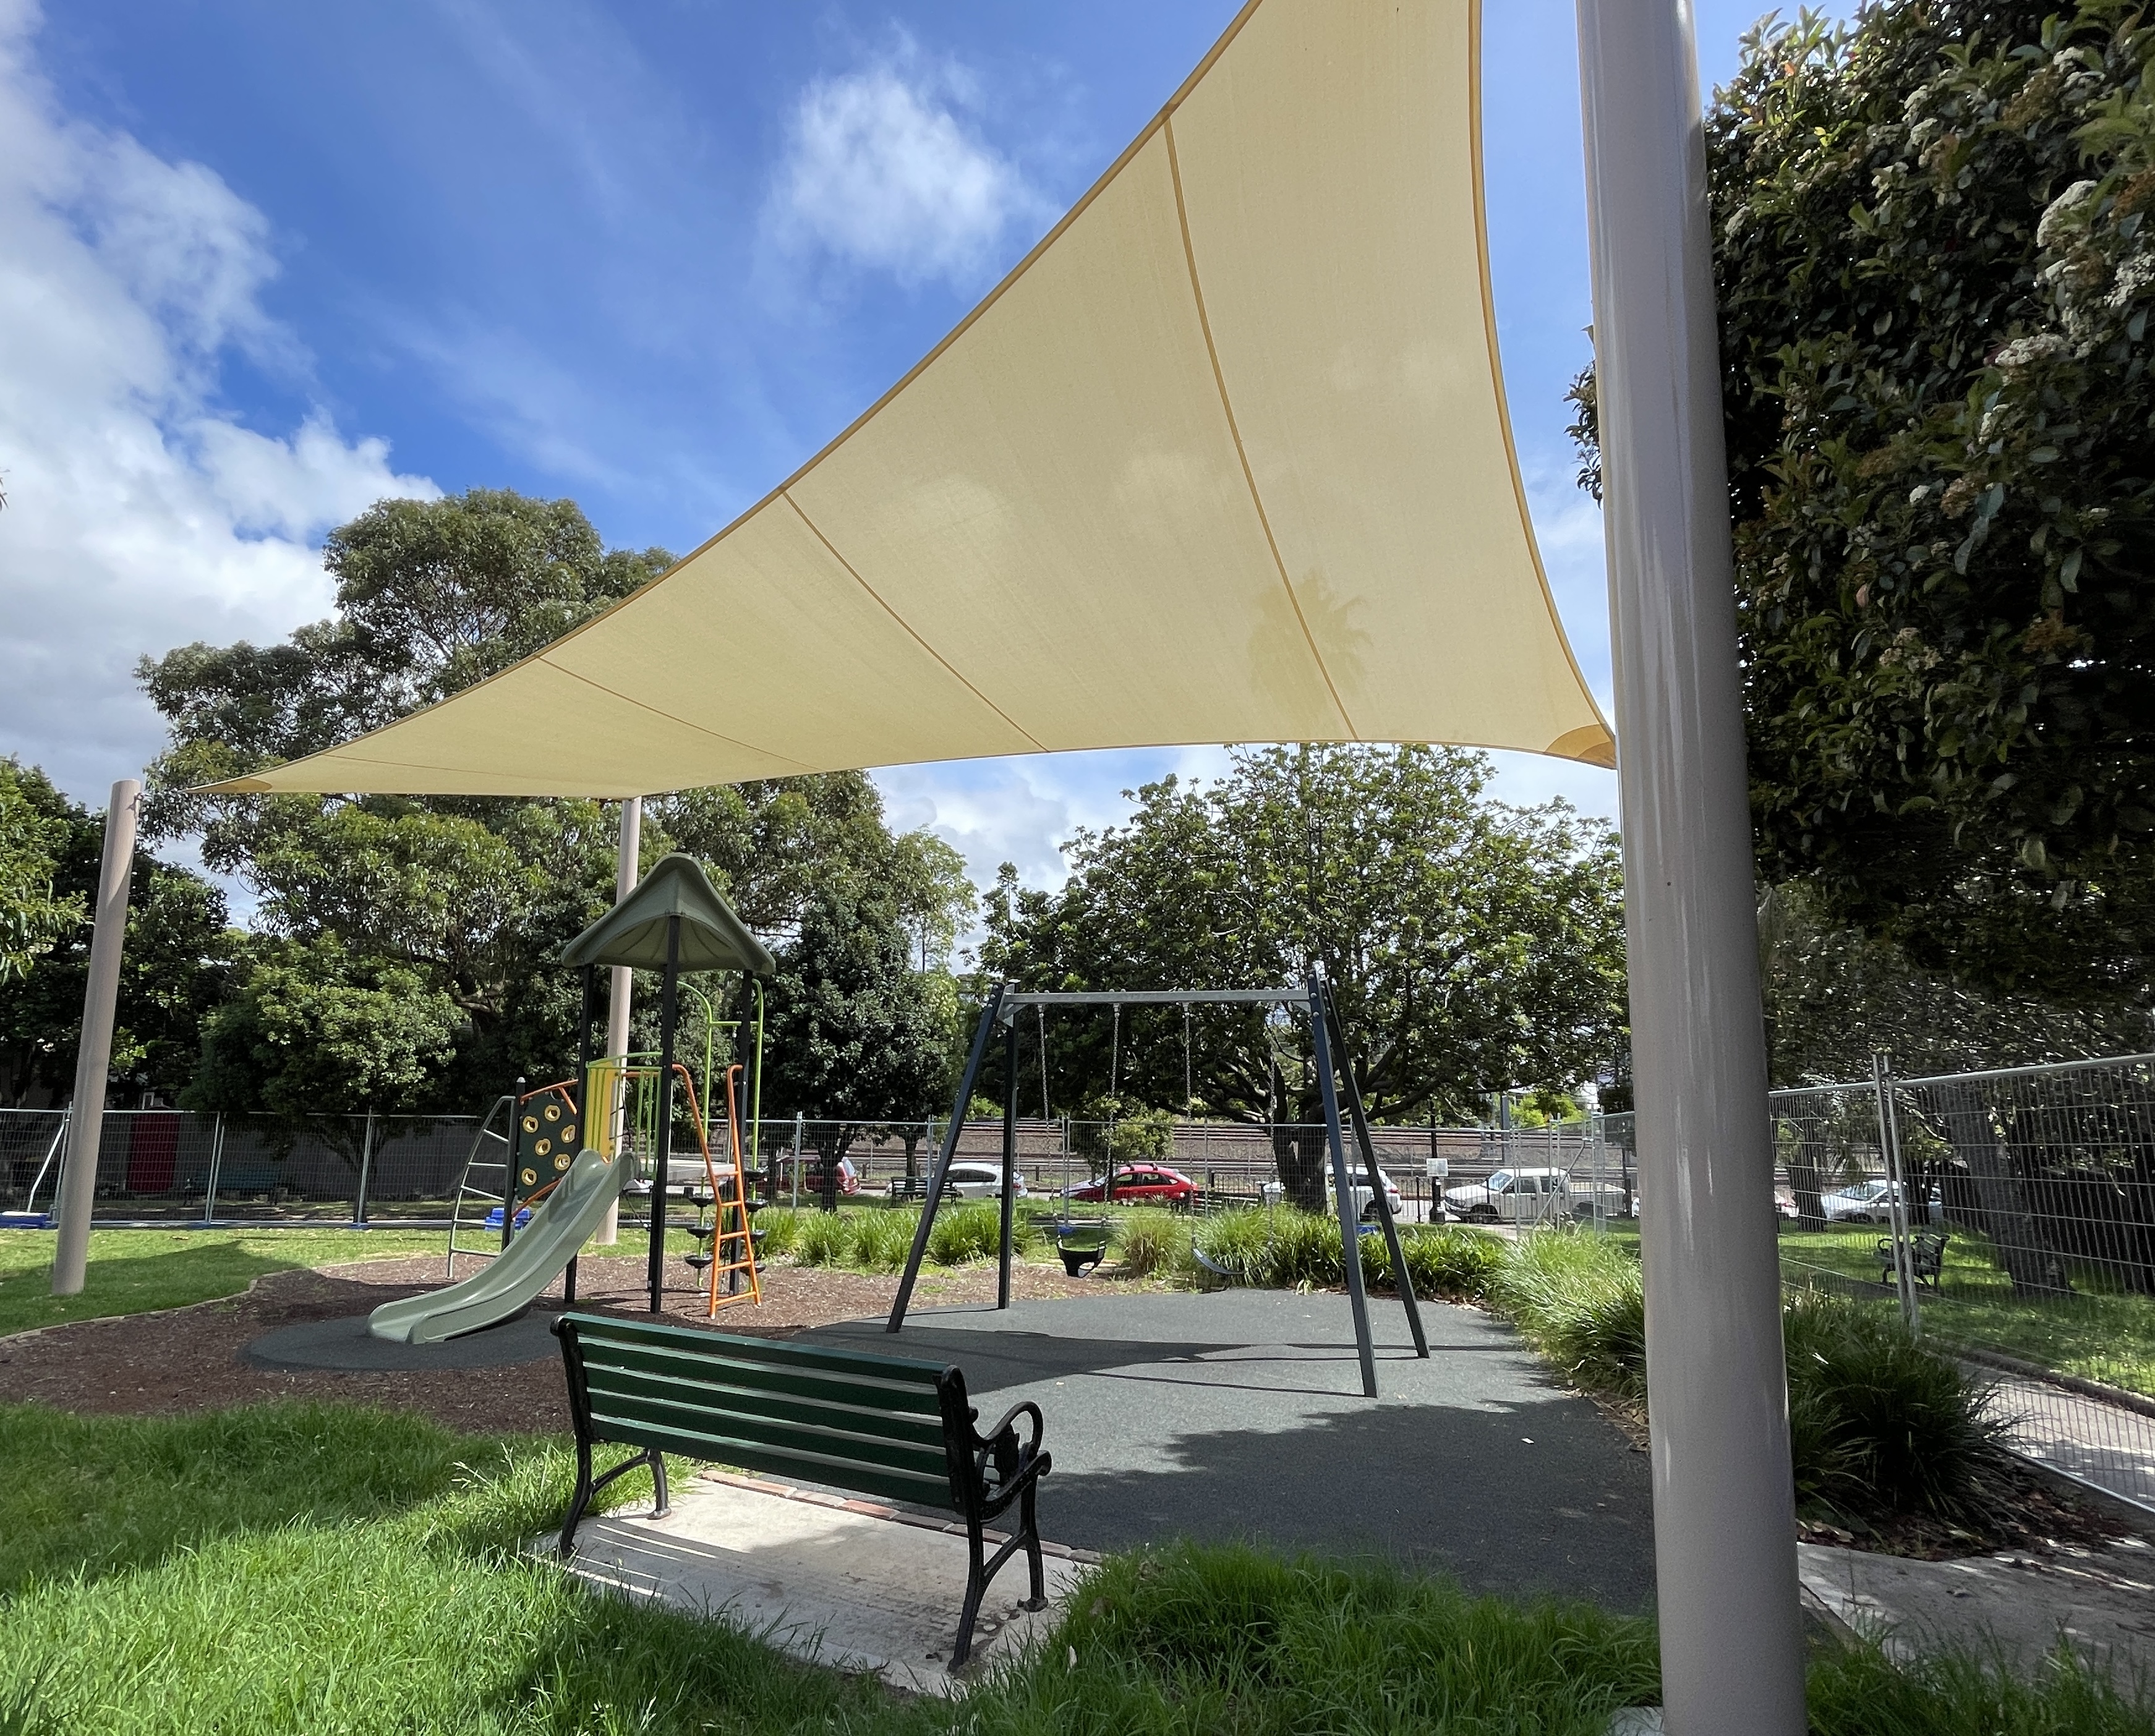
{"points": [[658, 1484], [1038, 1600], [976, 1586], [579, 1500]]}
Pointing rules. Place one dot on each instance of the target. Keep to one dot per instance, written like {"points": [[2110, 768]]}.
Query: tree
{"points": [[1471, 946], [1934, 279], [33, 916], [854, 1034], [174, 968]]}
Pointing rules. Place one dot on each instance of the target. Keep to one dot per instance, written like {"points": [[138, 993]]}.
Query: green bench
{"points": [[874, 1425]]}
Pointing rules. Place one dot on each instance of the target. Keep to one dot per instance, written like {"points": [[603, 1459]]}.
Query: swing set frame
{"points": [[1337, 1087]]}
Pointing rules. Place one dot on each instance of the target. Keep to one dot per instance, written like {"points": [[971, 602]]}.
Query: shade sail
{"points": [[633, 932], [1225, 458]]}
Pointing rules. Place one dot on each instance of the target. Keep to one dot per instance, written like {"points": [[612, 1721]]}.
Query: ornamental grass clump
{"points": [[1146, 1243], [1577, 1300], [970, 1231], [1238, 1242], [1450, 1261], [881, 1240], [821, 1238], [1877, 1422]]}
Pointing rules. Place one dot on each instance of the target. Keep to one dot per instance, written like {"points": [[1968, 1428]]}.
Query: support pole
{"points": [[100, 998], [1724, 1531], [365, 1171], [669, 1007], [623, 985], [1010, 1162], [1359, 1120], [990, 1016], [1343, 1192]]}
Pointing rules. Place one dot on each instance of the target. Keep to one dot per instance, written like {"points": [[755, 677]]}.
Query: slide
{"points": [[561, 1224]]}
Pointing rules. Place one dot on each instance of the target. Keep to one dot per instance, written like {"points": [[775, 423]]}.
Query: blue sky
{"points": [[269, 263]]}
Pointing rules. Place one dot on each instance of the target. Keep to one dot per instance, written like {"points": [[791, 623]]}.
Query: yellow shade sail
{"points": [[1225, 459]]}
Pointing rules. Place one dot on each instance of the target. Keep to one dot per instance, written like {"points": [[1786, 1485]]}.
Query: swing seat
{"points": [[1082, 1242]]}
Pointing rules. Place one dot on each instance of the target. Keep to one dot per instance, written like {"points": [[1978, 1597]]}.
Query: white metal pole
{"points": [[1724, 1527], [94, 1060], [621, 985]]}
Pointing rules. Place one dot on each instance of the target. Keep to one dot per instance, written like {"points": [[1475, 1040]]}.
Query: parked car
{"points": [[1527, 1196], [1142, 1184], [1873, 1203], [972, 1178], [1365, 1202]]}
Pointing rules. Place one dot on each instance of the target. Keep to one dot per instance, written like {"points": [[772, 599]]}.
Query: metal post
{"points": [[1367, 1147], [989, 1015], [365, 1164], [798, 1128], [1010, 1160], [1724, 1531], [100, 998], [669, 1005], [1897, 1190], [216, 1163], [509, 1176], [619, 988], [1342, 1193]]}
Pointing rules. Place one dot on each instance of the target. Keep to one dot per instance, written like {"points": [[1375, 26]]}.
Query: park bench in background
{"points": [[874, 1425], [1927, 1257]]}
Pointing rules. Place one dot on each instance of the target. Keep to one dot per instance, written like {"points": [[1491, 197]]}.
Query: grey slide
{"points": [[561, 1224]]}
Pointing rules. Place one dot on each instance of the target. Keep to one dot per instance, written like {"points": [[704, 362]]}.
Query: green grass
{"points": [[2098, 1333], [136, 1271], [139, 1271], [318, 1569]]}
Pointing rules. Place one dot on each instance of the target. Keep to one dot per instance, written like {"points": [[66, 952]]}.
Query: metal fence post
{"points": [[365, 1164], [216, 1163], [1897, 1188]]}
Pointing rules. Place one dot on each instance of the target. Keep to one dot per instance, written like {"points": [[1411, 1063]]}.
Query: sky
{"points": [[266, 264]]}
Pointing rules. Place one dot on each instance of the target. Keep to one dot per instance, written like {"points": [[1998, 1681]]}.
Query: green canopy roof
{"points": [[633, 932]]}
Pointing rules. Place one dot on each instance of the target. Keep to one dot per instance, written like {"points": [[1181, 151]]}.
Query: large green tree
{"points": [[1934, 276], [33, 915], [174, 968], [1472, 946]]}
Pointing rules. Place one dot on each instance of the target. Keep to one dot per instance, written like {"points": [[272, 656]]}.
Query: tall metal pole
{"points": [[669, 1007], [623, 985], [1010, 1163], [1724, 1529], [1343, 1192], [94, 1060], [991, 1017]]}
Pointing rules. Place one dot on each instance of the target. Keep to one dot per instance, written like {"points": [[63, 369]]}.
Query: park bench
{"points": [[1927, 1257], [905, 1188], [874, 1425]]}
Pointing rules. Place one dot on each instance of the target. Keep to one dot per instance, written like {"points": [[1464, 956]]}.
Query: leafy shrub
{"points": [[821, 1238], [1876, 1419], [1306, 1251], [1450, 1261], [970, 1231], [881, 1240], [1146, 1243], [1138, 1133]]}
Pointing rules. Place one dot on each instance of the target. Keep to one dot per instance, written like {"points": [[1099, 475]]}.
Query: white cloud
{"points": [[140, 515], [881, 170]]}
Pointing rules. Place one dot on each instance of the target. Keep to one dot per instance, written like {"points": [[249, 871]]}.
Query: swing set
{"points": [[1337, 1086]]}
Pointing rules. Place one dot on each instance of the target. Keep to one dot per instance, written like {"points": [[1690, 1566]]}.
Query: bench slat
{"points": [[724, 1397], [620, 1413], [594, 1330], [916, 1487], [829, 1386]]}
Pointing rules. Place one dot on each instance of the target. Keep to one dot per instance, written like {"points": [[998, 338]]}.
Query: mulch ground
{"points": [[191, 1359]]}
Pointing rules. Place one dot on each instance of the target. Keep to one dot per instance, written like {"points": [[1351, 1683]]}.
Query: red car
{"points": [[1144, 1184]]}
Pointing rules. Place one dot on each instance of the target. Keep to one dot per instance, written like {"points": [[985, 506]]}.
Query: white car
{"points": [[1365, 1202], [1520, 1196], [972, 1179], [1871, 1202]]}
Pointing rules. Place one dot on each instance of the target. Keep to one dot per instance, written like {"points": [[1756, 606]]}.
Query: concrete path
{"points": [[842, 1583], [2104, 1603], [1240, 1414]]}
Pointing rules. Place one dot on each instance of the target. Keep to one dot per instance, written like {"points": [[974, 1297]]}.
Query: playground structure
{"points": [[1336, 1082], [571, 1147]]}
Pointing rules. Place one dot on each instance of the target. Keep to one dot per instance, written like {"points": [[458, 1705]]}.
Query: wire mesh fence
{"points": [[2010, 1215]]}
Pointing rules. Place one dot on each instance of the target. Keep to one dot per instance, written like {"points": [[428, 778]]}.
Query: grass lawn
{"points": [[319, 1569], [137, 1271], [2097, 1333]]}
